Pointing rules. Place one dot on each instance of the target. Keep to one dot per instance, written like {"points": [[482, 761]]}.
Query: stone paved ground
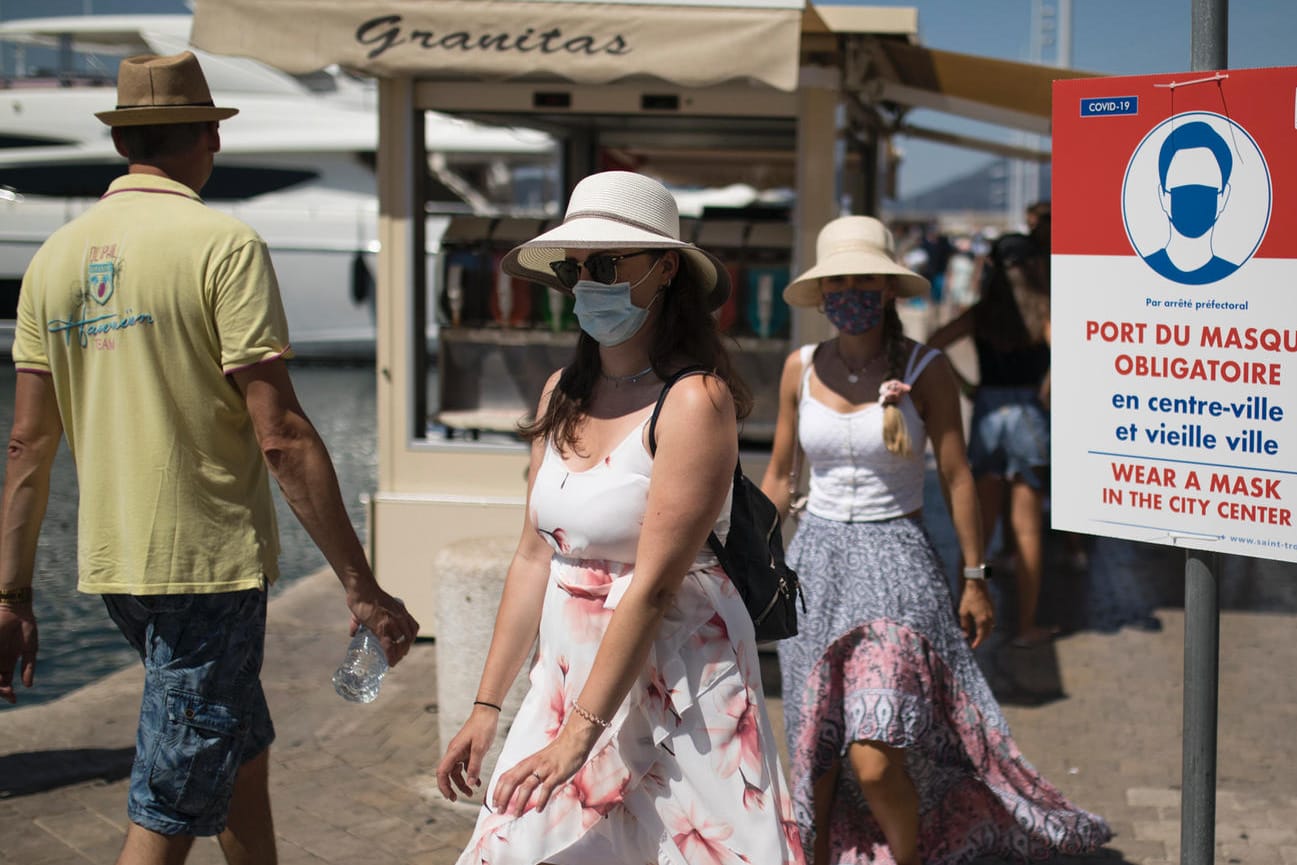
{"points": [[1099, 714]]}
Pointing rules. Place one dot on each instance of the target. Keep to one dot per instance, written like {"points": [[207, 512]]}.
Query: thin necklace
{"points": [[627, 379], [853, 376]]}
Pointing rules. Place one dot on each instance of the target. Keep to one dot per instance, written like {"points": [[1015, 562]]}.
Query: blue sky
{"points": [[1116, 37]]}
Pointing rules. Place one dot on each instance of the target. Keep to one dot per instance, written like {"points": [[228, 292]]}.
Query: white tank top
{"points": [[598, 513], [854, 477]]}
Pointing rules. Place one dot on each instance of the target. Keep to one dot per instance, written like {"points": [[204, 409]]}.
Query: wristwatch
{"points": [[981, 572]]}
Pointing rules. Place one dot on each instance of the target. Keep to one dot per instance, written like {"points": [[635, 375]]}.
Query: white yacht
{"points": [[296, 163]]}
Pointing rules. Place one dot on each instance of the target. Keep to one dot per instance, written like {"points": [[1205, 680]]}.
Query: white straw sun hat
{"points": [[618, 210], [854, 245]]}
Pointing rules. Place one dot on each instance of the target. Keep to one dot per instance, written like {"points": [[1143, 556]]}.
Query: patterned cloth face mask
{"points": [[854, 310]]}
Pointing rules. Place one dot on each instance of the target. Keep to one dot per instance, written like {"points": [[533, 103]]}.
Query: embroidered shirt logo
{"points": [[100, 281], [88, 326]]}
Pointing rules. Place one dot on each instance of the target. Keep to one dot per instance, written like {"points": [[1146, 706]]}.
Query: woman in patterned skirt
{"points": [[644, 737], [899, 752]]}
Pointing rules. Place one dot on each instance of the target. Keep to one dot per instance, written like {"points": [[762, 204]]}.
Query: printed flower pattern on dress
{"points": [[556, 710], [701, 840], [588, 586], [753, 798], [601, 783], [556, 538], [659, 694], [738, 740]]}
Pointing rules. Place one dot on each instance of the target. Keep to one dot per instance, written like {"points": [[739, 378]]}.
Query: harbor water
{"points": [[78, 642]]}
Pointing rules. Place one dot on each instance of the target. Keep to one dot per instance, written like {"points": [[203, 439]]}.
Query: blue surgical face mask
{"points": [[606, 311], [1193, 209]]}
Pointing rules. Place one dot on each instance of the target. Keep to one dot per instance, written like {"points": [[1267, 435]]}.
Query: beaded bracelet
{"points": [[588, 715], [488, 705]]}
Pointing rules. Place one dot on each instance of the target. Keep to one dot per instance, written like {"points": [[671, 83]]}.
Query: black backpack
{"points": [[753, 552]]}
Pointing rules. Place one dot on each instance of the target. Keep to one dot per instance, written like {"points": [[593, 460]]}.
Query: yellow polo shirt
{"points": [[139, 309]]}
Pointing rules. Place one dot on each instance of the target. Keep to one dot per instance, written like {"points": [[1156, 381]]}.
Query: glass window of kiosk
{"points": [[500, 337], [492, 340]]}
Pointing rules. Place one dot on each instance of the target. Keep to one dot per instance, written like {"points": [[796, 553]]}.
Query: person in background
{"points": [[1009, 438], [938, 248], [1040, 230], [961, 291], [644, 736], [898, 750], [1039, 222], [150, 331]]}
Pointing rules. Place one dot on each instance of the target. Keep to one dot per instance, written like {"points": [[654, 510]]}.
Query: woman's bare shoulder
{"points": [[699, 392]]}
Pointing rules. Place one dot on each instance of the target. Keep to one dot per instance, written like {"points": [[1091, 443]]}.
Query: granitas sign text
{"points": [[388, 31]]}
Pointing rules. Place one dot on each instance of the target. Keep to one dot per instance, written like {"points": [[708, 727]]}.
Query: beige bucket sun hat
{"points": [[618, 210], [154, 90], [854, 245]]}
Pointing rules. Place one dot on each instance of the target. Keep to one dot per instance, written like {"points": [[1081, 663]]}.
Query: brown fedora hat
{"points": [[154, 90]]}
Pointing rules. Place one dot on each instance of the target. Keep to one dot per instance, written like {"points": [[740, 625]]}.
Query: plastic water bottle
{"points": [[361, 672]]}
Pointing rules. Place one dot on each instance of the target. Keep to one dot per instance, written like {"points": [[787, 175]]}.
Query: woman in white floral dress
{"points": [[644, 737]]}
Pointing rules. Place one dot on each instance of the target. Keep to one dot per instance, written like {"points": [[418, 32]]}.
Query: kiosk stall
{"points": [[703, 92]]}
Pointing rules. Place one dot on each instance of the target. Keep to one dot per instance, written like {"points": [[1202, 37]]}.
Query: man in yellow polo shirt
{"points": [[151, 332]]}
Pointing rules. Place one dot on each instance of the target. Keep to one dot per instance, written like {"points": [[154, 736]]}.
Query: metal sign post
{"points": [[1208, 50], [1201, 680]]}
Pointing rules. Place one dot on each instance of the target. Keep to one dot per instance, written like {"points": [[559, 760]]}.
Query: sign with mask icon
{"points": [[1174, 310]]}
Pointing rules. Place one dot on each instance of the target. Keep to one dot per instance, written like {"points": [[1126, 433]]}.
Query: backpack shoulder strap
{"points": [[712, 541], [657, 409]]}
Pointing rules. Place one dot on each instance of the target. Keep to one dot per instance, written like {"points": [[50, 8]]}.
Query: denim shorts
{"points": [[1009, 435], [203, 714]]}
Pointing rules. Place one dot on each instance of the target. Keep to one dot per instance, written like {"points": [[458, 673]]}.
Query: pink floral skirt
{"points": [[688, 771]]}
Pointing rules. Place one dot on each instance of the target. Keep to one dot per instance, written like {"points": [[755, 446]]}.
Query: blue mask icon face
{"points": [[1193, 209]]}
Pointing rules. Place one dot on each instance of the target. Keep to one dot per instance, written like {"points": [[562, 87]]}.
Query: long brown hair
{"points": [[896, 436], [684, 334], [1014, 309]]}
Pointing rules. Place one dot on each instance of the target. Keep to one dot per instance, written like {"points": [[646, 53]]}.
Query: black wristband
{"points": [[20, 595], [488, 705]]}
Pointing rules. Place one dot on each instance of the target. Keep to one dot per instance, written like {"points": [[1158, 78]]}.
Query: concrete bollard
{"points": [[469, 576]]}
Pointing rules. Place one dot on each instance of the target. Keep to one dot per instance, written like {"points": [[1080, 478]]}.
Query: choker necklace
{"points": [[853, 376], [627, 379]]}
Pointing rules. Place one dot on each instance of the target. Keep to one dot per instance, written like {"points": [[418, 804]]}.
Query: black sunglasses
{"points": [[601, 266]]}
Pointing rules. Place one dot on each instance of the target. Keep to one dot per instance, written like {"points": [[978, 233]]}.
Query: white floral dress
{"points": [[688, 772]]}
